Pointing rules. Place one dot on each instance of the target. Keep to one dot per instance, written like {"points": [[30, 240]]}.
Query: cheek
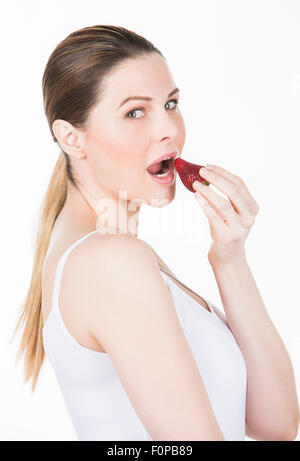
{"points": [[131, 146], [129, 155], [181, 134], [117, 148]]}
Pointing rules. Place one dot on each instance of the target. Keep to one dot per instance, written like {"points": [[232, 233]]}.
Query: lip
{"points": [[163, 157]]}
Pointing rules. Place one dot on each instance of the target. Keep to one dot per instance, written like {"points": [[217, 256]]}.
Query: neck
{"points": [[107, 214]]}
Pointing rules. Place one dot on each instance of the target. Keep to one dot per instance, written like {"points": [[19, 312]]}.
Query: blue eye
{"points": [[141, 108]]}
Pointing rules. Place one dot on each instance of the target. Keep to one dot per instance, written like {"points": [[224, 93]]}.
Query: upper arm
{"points": [[131, 313]]}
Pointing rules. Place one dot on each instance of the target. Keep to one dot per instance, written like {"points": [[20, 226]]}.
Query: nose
{"points": [[165, 125]]}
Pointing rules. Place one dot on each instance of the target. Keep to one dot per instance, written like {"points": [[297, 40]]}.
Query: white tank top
{"points": [[94, 396]]}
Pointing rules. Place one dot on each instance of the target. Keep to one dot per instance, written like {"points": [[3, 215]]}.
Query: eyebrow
{"points": [[146, 98]]}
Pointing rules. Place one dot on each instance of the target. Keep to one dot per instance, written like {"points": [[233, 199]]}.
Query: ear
{"points": [[69, 138]]}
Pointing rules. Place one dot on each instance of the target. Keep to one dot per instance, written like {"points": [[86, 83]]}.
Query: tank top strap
{"points": [[60, 266]]}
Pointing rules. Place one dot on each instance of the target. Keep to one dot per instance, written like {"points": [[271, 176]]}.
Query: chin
{"points": [[162, 198]]}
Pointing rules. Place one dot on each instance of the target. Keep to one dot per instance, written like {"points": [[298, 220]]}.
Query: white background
{"points": [[237, 64]]}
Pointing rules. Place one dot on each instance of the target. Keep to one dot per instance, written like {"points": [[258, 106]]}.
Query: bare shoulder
{"points": [[110, 247], [102, 265], [120, 261], [115, 250]]}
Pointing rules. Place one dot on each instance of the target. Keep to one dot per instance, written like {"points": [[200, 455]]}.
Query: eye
{"points": [[175, 101]]}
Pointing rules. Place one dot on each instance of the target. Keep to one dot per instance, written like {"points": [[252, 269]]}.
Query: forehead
{"points": [[147, 75]]}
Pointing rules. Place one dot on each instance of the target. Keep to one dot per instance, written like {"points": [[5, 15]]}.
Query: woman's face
{"points": [[124, 139]]}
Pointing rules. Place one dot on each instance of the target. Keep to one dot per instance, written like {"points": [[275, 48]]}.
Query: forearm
{"points": [[272, 405]]}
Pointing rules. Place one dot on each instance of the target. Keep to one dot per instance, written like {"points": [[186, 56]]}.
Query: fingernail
{"points": [[196, 184], [204, 171]]}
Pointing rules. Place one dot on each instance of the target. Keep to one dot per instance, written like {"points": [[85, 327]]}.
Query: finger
{"points": [[239, 184], [218, 169], [218, 227], [221, 206], [228, 188]]}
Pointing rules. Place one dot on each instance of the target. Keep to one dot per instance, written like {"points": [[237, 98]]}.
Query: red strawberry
{"points": [[189, 172]]}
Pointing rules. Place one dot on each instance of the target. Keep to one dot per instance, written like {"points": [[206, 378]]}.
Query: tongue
{"points": [[153, 169]]}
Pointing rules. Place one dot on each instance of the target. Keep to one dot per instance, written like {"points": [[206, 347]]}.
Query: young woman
{"points": [[137, 354]]}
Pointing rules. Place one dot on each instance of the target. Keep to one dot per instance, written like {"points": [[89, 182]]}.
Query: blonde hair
{"points": [[31, 316], [71, 88]]}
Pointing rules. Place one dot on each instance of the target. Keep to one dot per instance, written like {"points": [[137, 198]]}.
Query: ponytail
{"points": [[31, 344]]}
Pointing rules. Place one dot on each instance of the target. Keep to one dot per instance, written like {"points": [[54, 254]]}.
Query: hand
{"points": [[230, 221]]}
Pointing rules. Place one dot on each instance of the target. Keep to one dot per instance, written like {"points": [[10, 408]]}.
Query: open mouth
{"points": [[162, 168], [163, 172]]}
